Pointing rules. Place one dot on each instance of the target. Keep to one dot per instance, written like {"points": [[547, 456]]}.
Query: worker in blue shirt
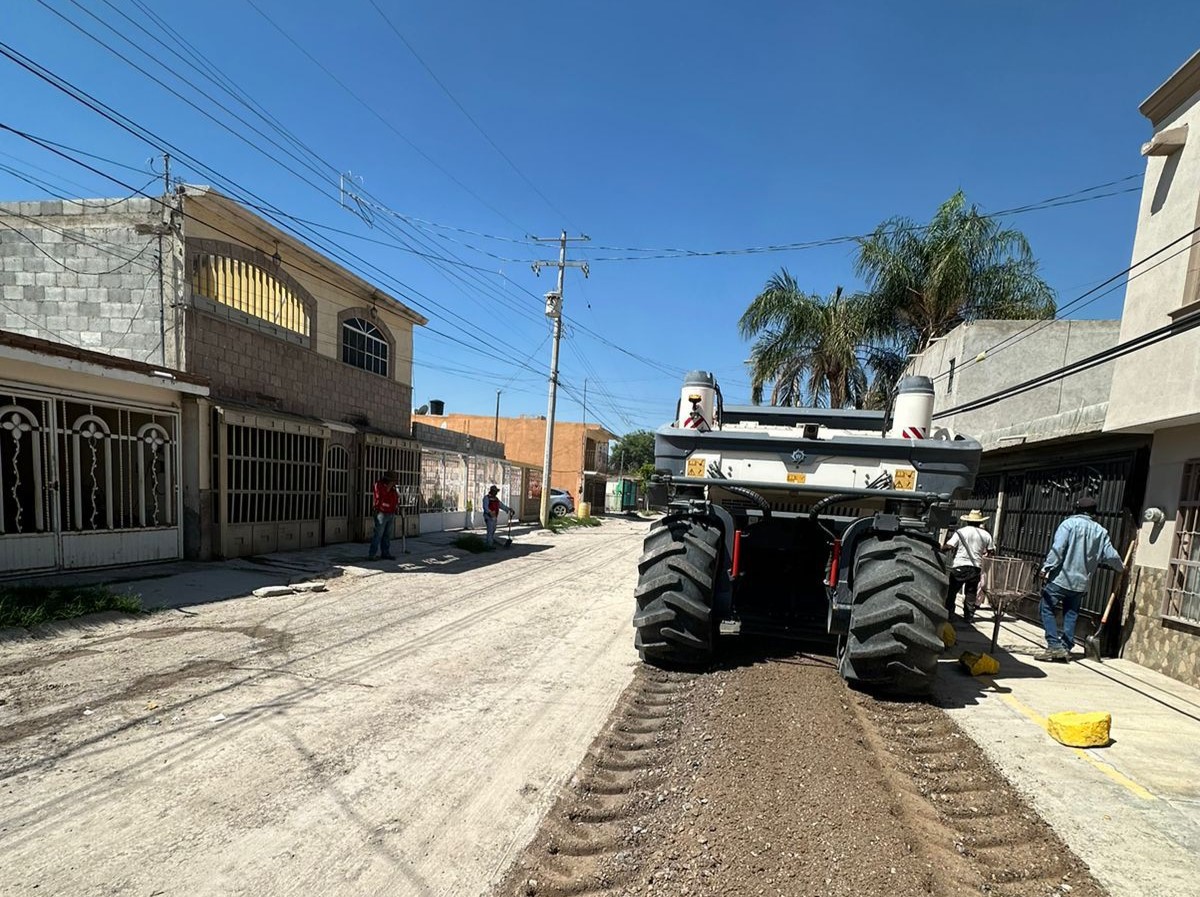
{"points": [[1080, 546]]}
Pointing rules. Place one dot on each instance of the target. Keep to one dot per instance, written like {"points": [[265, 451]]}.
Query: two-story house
{"points": [[1156, 389], [308, 366]]}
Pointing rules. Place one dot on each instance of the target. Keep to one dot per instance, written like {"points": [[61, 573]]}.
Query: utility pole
{"points": [[554, 306], [496, 425], [583, 456]]}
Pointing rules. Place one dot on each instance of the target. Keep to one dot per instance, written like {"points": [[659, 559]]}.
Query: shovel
{"points": [[1091, 645], [508, 539]]}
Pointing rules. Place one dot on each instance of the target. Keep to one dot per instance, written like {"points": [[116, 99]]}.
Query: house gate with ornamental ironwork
{"points": [[85, 482], [1026, 505]]}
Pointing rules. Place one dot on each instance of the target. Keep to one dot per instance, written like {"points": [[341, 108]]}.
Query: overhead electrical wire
{"points": [[1182, 324], [463, 109]]}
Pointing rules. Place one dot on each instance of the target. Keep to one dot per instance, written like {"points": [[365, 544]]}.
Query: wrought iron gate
{"points": [[1036, 500], [85, 483], [379, 455]]}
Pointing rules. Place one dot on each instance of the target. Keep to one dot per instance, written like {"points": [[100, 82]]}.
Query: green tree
{"points": [[632, 451], [809, 348], [925, 280]]}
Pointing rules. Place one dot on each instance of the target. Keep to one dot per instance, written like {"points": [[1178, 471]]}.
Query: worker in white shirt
{"points": [[971, 544]]}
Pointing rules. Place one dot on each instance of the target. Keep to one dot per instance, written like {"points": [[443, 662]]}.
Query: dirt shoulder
{"points": [[774, 778]]}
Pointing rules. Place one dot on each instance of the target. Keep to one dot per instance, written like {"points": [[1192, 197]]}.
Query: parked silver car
{"points": [[561, 503]]}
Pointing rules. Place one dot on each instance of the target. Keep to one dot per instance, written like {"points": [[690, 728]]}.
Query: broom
{"points": [[1091, 645]]}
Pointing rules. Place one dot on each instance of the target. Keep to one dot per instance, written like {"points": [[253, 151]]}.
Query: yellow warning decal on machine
{"points": [[695, 466], [797, 478], [905, 478]]}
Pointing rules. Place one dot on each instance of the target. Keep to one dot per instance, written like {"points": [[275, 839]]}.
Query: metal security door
{"points": [[337, 494], [28, 512]]}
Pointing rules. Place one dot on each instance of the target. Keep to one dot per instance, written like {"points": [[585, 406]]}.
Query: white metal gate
{"points": [[85, 483]]}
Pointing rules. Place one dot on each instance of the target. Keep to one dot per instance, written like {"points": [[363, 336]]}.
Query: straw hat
{"points": [[974, 517]]}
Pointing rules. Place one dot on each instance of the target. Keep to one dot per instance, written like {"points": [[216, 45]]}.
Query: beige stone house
{"points": [[1156, 389], [308, 367]]}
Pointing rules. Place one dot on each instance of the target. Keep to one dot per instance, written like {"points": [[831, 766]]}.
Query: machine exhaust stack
{"points": [[913, 415], [698, 401]]}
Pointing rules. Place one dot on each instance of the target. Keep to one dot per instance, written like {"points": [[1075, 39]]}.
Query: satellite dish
{"points": [[424, 409]]}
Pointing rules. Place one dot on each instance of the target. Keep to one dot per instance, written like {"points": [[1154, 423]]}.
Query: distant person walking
{"points": [[1080, 546], [492, 506], [971, 544], [386, 502]]}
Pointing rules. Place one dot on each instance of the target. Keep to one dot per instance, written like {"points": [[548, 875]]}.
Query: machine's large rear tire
{"points": [[899, 607], [674, 622]]}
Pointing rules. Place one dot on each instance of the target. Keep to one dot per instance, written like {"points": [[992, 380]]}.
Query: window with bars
{"points": [[364, 346], [1183, 580], [273, 476]]}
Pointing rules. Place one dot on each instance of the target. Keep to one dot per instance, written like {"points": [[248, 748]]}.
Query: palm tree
{"points": [[923, 281], [810, 349]]}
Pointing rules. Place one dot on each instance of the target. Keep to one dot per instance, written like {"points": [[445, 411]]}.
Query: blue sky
{"points": [[699, 125]]}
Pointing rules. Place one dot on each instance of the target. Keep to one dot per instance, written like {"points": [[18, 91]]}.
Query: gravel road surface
{"points": [[399, 734]]}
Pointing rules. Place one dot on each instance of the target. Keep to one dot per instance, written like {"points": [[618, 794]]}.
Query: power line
{"points": [[463, 109], [1180, 325], [428, 158], [1036, 326], [316, 275], [670, 253]]}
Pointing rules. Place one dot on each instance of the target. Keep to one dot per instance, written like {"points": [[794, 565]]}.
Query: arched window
{"points": [[364, 346]]}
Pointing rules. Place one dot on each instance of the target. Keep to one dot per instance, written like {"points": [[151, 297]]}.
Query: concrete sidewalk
{"points": [[1131, 810], [181, 583]]}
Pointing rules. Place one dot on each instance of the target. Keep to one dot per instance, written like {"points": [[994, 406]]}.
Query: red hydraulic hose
{"points": [[836, 564]]}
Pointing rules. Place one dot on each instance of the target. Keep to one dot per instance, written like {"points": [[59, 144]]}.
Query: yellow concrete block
{"points": [[1080, 729], [948, 636], [979, 664]]}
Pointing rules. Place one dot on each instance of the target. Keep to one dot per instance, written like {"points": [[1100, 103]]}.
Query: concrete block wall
{"points": [[452, 440], [77, 272], [247, 366]]}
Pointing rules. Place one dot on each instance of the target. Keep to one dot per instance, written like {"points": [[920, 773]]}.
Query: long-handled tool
{"points": [[508, 540], [1091, 645]]}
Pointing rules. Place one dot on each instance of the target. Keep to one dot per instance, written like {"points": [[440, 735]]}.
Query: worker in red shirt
{"points": [[492, 505], [386, 500]]}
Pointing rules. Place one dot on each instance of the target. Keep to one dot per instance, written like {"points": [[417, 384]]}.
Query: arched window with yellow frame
{"points": [[249, 289]]}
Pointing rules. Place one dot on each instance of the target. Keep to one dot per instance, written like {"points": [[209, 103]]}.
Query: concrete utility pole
{"points": [[496, 424], [554, 306]]}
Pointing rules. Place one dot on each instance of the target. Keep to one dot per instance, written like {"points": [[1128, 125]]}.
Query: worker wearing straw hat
{"points": [[971, 543]]}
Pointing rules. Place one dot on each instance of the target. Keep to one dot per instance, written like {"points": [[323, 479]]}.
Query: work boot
{"points": [[1053, 655]]}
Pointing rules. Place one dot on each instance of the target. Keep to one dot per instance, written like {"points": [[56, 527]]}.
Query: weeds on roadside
{"points": [[557, 524], [29, 606]]}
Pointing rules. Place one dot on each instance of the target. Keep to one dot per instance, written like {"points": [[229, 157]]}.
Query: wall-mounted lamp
{"points": [[277, 258], [1156, 517]]}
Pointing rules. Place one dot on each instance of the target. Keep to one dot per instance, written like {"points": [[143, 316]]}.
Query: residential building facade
{"points": [[580, 463], [1045, 447], [1156, 389], [308, 368]]}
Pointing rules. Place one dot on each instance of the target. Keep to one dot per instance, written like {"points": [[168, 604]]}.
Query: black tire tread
{"points": [[899, 606], [674, 623]]}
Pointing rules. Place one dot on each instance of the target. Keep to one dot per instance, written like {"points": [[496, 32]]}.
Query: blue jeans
{"points": [[381, 539], [489, 523], [1054, 598]]}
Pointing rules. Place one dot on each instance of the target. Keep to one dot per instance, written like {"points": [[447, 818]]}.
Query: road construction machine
{"points": [[802, 521]]}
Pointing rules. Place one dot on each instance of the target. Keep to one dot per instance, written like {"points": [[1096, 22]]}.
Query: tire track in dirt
{"points": [[770, 776], [582, 846], [981, 833]]}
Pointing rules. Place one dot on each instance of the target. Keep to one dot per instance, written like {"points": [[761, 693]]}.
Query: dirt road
{"points": [[399, 734], [770, 777]]}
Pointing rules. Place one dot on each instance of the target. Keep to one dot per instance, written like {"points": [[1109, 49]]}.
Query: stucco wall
{"points": [[1070, 406], [1171, 449], [1161, 384]]}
